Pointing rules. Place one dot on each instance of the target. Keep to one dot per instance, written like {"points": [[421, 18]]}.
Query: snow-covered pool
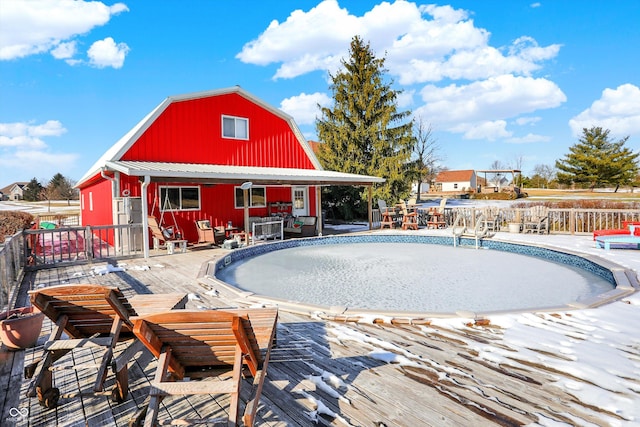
{"points": [[418, 277]]}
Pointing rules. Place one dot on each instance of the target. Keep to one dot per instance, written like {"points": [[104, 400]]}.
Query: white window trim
{"points": [[235, 118], [250, 192], [180, 188]]}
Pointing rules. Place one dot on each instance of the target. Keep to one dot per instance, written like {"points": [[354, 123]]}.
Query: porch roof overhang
{"points": [[207, 173]]}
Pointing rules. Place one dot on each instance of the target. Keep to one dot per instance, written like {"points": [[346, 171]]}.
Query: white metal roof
{"points": [[167, 172]]}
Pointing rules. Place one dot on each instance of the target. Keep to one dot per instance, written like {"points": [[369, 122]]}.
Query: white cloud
{"points": [[535, 5], [106, 53], [421, 43], [38, 26], [405, 99], [489, 130], [522, 121], [37, 163], [64, 50], [529, 138], [479, 110], [26, 135], [304, 108], [24, 150], [499, 97], [617, 110]]}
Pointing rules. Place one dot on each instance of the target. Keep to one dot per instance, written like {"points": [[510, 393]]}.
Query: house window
{"points": [[257, 197], [455, 185], [180, 198], [235, 127]]}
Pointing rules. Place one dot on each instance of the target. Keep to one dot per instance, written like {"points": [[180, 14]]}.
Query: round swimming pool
{"points": [[398, 274]]}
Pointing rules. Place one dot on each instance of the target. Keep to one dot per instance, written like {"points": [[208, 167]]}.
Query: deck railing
{"points": [[51, 247], [11, 269], [561, 221]]}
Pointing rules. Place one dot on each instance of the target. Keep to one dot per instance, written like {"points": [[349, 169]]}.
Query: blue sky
{"points": [[512, 82]]}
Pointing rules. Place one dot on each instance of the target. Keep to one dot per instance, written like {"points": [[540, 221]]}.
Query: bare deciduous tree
{"points": [[426, 153]]}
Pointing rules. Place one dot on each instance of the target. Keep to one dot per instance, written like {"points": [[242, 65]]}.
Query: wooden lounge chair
{"points": [[92, 316], [211, 344]]}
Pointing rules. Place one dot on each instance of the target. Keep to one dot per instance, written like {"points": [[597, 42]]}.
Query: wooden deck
{"points": [[321, 372]]}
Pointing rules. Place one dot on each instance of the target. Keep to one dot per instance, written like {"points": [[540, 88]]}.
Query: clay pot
{"points": [[20, 328]]}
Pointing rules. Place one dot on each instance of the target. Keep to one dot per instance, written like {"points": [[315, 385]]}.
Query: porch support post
{"points": [[319, 209], [145, 216], [370, 206], [245, 206]]}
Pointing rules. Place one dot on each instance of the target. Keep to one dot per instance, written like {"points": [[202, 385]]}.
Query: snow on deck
{"points": [[565, 368]]}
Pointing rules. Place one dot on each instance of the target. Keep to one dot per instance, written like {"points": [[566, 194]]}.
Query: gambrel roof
{"points": [[112, 160]]}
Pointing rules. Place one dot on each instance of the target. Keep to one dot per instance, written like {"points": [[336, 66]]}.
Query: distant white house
{"points": [[456, 181]]}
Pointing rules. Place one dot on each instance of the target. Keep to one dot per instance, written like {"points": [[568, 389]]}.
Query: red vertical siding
{"points": [[102, 212], [191, 132]]}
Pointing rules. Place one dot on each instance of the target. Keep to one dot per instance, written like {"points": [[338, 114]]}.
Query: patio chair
{"points": [[208, 234], [537, 220], [409, 217], [93, 316], [168, 236], [491, 215], [390, 217], [436, 217], [210, 345]]}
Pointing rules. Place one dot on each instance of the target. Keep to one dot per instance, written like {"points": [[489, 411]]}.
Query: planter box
{"points": [[514, 227]]}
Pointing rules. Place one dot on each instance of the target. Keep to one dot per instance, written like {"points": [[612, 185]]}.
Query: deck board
{"points": [[441, 382]]}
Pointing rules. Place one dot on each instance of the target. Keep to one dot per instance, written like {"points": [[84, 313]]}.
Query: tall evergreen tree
{"points": [[364, 133], [32, 191], [596, 160], [60, 188]]}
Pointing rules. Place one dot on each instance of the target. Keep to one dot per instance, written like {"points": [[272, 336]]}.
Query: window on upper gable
{"points": [[235, 127]]}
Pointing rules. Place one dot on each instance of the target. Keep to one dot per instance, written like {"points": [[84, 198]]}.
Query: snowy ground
{"points": [[40, 207], [595, 352]]}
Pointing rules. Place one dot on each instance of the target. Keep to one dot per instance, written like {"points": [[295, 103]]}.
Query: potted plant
{"points": [[20, 328]]}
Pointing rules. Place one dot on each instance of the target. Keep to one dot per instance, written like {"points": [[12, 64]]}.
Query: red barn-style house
{"points": [[189, 157]]}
